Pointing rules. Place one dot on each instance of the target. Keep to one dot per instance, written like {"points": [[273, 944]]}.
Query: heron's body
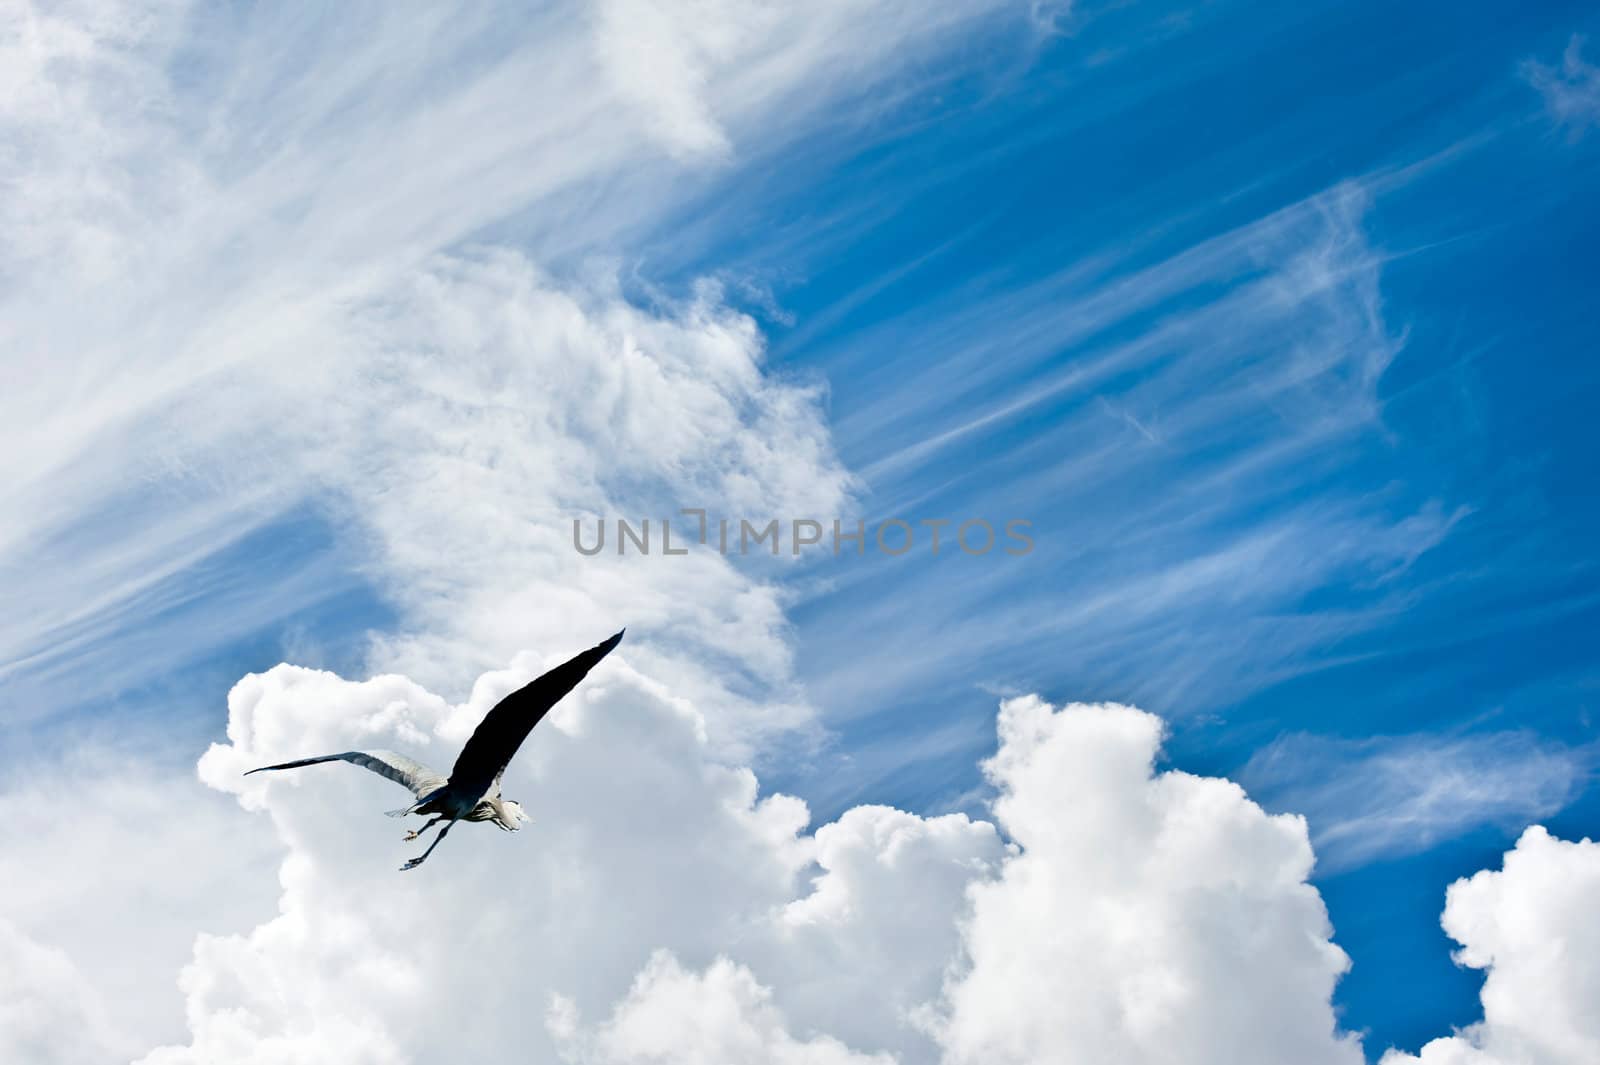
{"points": [[449, 805], [472, 791]]}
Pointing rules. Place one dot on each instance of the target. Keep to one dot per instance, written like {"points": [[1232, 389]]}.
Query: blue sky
{"points": [[1479, 219], [1274, 321]]}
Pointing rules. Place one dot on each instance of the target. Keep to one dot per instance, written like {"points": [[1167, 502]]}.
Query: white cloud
{"points": [[483, 409], [1571, 89], [694, 67], [878, 924], [1151, 917], [75, 79], [675, 1017], [1533, 926], [136, 856], [1137, 914], [218, 229], [48, 1012], [659, 909], [475, 409], [642, 841], [1145, 915], [1388, 796]]}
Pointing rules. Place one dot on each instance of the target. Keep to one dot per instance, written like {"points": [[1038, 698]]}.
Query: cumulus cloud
{"points": [[660, 908], [48, 1013], [643, 841], [1150, 917], [675, 1017], [1532, 926], [877, 924], [139, 856]]}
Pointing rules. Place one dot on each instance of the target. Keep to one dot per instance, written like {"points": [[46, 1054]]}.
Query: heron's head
{"points": [[518, 814]]}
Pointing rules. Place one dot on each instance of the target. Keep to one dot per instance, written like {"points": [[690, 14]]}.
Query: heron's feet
{"points": [[413, 863], [409, 836]]}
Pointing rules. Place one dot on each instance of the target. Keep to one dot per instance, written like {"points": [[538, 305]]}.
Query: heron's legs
{"points": [[416, 833], [419, 859]]}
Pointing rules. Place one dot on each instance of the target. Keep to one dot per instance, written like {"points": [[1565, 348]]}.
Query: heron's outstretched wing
{"points": [[504, 728], [397, 767]]}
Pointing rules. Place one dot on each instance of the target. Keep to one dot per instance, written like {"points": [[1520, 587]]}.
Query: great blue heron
{"points": [[472, 791]]}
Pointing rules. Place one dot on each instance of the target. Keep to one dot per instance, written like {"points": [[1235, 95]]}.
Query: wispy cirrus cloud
{"points": [[1571, 88], [1383, 797], [1240, 374], [217, 222]]}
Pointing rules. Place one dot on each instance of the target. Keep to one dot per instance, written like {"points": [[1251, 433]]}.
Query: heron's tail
{"points": [[401, 813]]}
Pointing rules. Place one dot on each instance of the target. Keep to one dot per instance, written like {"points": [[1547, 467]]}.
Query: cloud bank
{"points": [[661, 908]]}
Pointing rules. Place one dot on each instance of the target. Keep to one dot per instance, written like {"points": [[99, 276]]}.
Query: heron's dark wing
{"points": [[505, 727], [397, 767]]}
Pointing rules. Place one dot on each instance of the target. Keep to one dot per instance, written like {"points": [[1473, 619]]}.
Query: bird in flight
{"points": [[472, 791]]}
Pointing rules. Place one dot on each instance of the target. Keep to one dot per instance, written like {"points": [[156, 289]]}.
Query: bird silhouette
{"points": [[472, 790]]}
